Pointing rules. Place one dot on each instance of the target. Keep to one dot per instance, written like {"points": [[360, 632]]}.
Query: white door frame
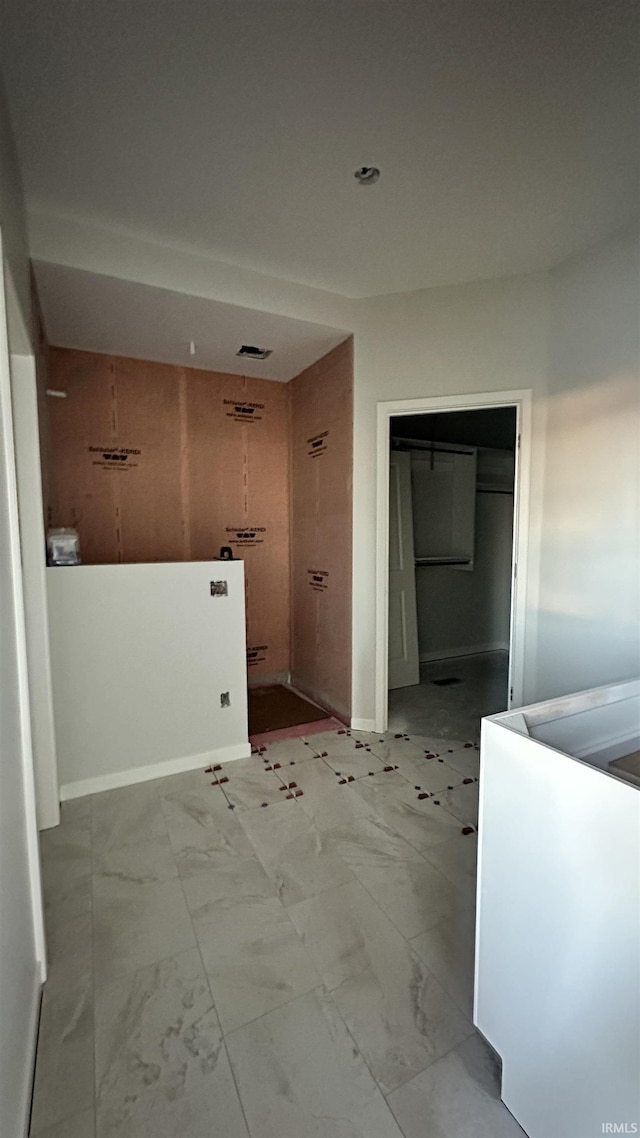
{"points": [[522, 401]]}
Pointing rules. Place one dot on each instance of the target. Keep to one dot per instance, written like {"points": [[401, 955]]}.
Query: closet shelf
{"points": [[422, 561]]}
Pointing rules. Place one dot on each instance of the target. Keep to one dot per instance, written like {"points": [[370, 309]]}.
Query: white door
{"points": [[404, 666]]}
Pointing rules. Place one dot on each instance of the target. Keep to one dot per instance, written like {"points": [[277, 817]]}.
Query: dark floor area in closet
{"points": [[275, 707]]}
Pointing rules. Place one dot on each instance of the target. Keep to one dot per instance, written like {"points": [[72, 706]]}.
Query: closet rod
{"points": [[417, 444]]}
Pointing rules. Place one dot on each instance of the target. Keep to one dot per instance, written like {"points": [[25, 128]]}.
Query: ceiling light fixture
{"points": [[367, 175]]}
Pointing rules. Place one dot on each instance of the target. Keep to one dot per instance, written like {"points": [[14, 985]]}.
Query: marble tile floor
{"points": [[454, 711], [286, 954]]}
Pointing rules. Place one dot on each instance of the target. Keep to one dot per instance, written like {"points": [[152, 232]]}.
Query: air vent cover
{"points": [[252, 353]]}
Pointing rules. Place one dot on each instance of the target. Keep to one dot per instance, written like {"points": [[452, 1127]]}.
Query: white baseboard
{"points": [[453, 653], [363, 724], [153, 770]]}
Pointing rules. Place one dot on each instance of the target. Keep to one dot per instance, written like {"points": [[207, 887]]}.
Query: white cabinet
{"points": [[557, 990]]}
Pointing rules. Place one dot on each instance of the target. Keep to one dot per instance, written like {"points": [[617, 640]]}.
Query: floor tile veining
{"points": [[287, 953]]}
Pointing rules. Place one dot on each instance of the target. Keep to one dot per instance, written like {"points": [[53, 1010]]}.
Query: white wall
{"points": [[22, 963], [590, 568], [140, 655], [22, 952], [14, 236], [483, 337], [461, 612]]}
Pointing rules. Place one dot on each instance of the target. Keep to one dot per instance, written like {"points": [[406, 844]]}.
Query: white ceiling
{"points": [[102, 314], [506, 130]]}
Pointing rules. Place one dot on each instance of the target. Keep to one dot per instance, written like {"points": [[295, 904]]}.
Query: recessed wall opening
{"points": [[449, 645], [158, 461], [451, 484]]}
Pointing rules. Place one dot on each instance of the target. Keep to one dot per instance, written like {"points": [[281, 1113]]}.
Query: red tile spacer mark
{"points": [[215, 782], [283, 787], [218, 767], [208, 770], [276, 766], [299, 793], [324, 755], [350, 778], [429, 755], [468, 745], [466, 781], [291, 796], [423, 795], [342, 782], [292, 785], [387, 768], [225, 779], [359, 745], [268, 768], [343, 732], [397, 736], [467, 830]]}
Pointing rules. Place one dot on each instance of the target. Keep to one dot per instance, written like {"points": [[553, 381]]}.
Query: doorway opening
{"points": [[450, 597]]}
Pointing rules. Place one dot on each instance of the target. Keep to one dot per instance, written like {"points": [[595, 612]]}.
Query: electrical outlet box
{"points": [[225, 699], [219, 589]]}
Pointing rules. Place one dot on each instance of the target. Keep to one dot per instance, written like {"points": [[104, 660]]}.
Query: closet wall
{"points": [[460, 612], [321, 528], [152, 462]]}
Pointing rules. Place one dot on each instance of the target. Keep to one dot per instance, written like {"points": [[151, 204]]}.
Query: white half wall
{"points": [[590, 568], [140, 657]]}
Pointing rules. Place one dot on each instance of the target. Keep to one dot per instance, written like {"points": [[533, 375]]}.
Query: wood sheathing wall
{"points": [[153, 462], [321, 528]]}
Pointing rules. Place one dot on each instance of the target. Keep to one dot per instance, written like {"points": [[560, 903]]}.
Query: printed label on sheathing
{"points": [[241, 411], [245, 537], [318, 579], [317, 444], [115, 458], [257, 654]]}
